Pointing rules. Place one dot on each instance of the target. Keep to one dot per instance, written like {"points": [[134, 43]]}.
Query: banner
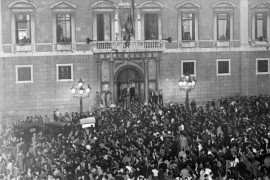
{"points": [[129, 25], [88, 122]]}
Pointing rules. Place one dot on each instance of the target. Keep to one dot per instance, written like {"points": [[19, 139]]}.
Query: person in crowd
{"points": [[193, 106], [156, 96]]}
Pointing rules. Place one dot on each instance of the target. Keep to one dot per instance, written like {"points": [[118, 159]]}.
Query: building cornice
{"points": [[167, 51]]}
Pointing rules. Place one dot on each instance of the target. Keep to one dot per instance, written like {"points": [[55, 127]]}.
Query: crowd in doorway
{"points": [[156, 96], [126, 96], [228, 140]]}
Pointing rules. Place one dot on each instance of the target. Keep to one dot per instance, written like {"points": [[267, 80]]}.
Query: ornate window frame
{"points": [[63, 7], [105, 7], [263, 8], [188, 7], [223, 7], [23, 7], [149, 7]]}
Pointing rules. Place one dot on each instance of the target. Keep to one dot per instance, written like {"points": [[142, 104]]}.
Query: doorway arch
{"points": [[131, 78]]}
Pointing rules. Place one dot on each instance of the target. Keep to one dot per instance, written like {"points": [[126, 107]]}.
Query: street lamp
{"points": [[187, 84], [81, 92]]}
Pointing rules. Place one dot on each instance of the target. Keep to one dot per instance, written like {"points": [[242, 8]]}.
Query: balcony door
{"points": [[129, 85], [151, 26], [104, 27]]}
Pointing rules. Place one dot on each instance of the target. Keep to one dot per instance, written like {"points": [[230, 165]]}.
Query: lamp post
{"points": [[81, 92], [187, 84]]}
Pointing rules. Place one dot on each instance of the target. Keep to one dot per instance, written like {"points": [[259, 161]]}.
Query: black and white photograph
{"points": [[134, 90]]}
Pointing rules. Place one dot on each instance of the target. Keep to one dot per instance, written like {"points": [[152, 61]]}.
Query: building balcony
{"points": [[135, 46], [23, 48], [256, 43]]}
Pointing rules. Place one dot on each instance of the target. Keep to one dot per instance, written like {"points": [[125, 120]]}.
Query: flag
{"points": [[129, 25]]}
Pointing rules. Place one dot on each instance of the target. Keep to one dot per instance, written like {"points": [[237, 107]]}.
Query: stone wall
{"points": [[46, 94], [242, 81]]}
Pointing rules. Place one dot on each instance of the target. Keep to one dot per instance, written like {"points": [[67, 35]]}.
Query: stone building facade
{"points": [[44, 51]]}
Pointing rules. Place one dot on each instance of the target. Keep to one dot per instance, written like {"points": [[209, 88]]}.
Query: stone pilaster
{"points": [[2, 103], [112, 79], [1, 39], [99, 76], [157, 72], [2, 90], [244, 22], [146, 82]]}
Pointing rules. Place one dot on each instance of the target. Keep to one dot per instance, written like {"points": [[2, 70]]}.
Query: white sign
{"points": [[88, 125], [88, 122]]}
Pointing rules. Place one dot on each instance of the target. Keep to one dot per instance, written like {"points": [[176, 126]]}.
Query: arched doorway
{"points": [[129, 78]]}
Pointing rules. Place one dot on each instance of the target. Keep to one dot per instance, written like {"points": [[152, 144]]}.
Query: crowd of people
{"points": [[227, 140]]}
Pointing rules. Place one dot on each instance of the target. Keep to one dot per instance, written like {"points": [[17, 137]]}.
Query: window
{"points": [[188, 67], [104, 27], [223, 67], [64, 72], [23, 28], [63, 30], [24, 73], [63, 25], [223, 26], [262, 66], [260, 26], [151, 26], [188, 27], [150, 20], [260, 13], [22, 19], [104, 20], [223, 22], [188, 30]]}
